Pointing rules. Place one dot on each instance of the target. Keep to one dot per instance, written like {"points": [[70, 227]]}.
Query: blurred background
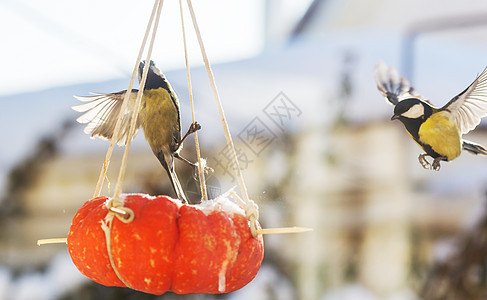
{"points": [[313, 137]]}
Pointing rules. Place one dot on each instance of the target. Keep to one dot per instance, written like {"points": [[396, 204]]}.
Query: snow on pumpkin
{"points": [[168, 246]]}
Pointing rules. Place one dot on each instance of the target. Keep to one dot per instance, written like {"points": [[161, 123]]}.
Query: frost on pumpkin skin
{"points": [[169, 246]]}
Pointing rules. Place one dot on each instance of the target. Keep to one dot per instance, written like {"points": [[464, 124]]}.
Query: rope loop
{"points": [[124, 214], [115, 207], [251, 210]]}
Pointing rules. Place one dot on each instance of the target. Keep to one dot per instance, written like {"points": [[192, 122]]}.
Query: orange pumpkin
{"points": [[168, 246]]}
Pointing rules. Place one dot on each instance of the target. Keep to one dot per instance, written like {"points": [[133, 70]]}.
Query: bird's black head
{"points": [[411, 109], [155, 78]]}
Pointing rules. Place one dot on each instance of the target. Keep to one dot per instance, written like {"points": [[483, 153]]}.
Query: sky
{"points": [[54, 42]]}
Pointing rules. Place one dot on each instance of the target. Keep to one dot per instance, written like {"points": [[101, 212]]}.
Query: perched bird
{"points": [[438, 131], [159, 116]]}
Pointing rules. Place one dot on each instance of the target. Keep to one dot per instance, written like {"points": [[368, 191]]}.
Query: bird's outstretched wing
{"points": [[391, 86], [470, 106], [101, 112]]}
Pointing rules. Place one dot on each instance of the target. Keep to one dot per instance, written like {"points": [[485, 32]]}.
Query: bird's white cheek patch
{"points": [[416, 111]]}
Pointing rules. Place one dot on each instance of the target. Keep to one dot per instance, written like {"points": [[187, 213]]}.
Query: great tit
{"points": [[438, 131], [159, 116]]}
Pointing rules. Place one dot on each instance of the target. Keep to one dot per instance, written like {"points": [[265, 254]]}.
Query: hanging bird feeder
{"points": [[157, 244]]}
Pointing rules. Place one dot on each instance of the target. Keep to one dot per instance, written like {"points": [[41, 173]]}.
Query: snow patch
{"points": [[223, 203]]}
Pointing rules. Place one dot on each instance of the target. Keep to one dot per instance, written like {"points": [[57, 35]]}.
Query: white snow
{"points": [[222, 202]]}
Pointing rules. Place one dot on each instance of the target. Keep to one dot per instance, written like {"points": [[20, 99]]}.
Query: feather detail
{"points": [[101, 112]]}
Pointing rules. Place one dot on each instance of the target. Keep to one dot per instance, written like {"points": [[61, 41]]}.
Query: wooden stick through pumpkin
{"points": [[52, 241], [281, 230]]}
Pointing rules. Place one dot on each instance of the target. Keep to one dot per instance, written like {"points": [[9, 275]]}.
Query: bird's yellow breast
{"points": [[441, 134], [161, 119]]}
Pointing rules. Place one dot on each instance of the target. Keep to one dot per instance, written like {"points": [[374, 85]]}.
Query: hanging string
{"points": [[106, 226], [138, 102], [114, 205], [201, 172], [250, 207], [228, 136], [117, 131]]}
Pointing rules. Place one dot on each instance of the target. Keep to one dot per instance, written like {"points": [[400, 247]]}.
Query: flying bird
{"points": [[159, 116], [438, 131]]}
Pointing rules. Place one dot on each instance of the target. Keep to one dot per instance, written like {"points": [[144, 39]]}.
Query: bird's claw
{"points": [[435, 166], [424, 163], [436, 163], [206, 171], [194, 127]]}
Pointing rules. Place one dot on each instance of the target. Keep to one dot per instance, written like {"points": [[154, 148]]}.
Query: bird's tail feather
{"points": [[474, 148], [390, 85], [177, 186], [173, 177]]}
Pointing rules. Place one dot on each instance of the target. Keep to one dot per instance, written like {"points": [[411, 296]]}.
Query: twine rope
{"points": [[138, 101], [114, 206], [118, 124], [223, 120], [251, 212], [107, 228], [201, 172]]}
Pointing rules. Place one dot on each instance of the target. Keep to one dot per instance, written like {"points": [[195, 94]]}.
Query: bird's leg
{"points": [[423, 161], [192, 129], [194, 165], [176, 155], [436, 163]]}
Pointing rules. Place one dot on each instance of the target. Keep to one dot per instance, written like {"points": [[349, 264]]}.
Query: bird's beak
{"points": [[394, 117]]}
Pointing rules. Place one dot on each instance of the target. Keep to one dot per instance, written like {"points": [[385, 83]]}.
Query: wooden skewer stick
{"points": [[260, 231], [283, 230], [52, 241]]}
